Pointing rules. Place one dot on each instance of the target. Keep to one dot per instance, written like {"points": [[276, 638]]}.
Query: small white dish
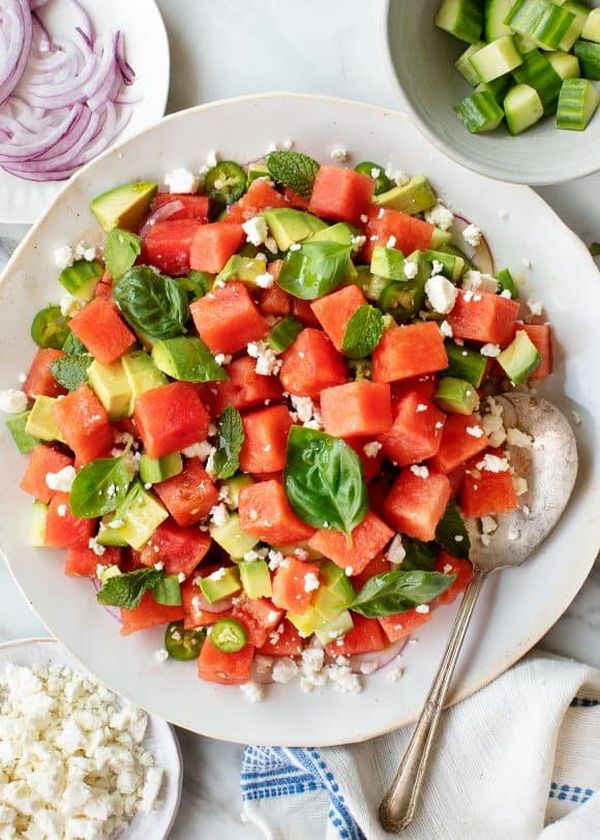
{"points": [[160, 739], [146, 49]]}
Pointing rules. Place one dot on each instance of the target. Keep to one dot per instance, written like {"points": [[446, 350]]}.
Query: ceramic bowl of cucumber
{"points": [[534, 119]]}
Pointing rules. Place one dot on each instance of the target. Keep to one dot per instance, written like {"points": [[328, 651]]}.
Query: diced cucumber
{"points": [[588, 54], [456, 395], [110, 536], [335, 629], [496, 59], [497, 87], [506, 283], [80, 278], [542, 21], [495, 13], [523, 108], [257, 170], [577, 104], [565, 64], [452, 266], [580, 12], [479, 112], [520, 358], [412, 198], [235, 485], [523, 44], [440, 238], [17, 425], [37, 528], [464, 66], [284, 333], [388, 262], [537, 72], [461, 18], [591, 28], [256, 579], [465, 364], [244, 269]]}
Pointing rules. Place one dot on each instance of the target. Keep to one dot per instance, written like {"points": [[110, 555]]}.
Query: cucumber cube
{"points": [[465, 364], [155, 470], [464, 66], [496, 59], [581, 13], [520, 358], [388, 262], [479, 112], [589, 59], [452, 266], [107, 535], [577, 104], [461, 18], [565, 64], [591, 27], [495, 15], [542, 21], [537, 72], [523, 108], [80, 279], [257, 170], [456, 395]]}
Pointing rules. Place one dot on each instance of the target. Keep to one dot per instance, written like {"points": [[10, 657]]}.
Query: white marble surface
{"points": [[318, 46]]}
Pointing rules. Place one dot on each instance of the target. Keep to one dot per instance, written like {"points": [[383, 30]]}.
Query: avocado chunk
{"points": [[141, 372], [520, 359], [256, 579], [453, 265], [465, 364], [220, 584], [231, 537], [155, 470], [388, 262], [141, 513], [440, 237], [111, 385], [306, 623], [335, 593], [336, 628], [340, 233], [235, 485], [188, 359], [456, 395], [124, 206], [16, 425], [40, 423], [109, 535], [244, 269], [37, 528], [412, 198], [288, 226]]}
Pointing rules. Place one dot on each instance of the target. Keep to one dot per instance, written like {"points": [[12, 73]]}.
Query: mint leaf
{"points": [[595, 249], [73, 346], [449, 528], [99, 487], [395, 592], [167, 591], [231, 437], [126, 591], [293, 170], [121, 251], [363, 332], [314, 269], [71, 371]]}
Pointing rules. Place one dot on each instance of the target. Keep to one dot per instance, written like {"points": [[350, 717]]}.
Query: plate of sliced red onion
{"points": [[75, 76]]}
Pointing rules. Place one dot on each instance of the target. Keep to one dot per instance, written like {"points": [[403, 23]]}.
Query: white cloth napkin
{"points": [[519, 760]]}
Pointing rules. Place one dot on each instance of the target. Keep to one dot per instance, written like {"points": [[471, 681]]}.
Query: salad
{"points": [[260, 418]]}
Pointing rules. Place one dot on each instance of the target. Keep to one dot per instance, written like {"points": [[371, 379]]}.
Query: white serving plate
{"points": [[160, 739], [517, 606], [146, 49]]}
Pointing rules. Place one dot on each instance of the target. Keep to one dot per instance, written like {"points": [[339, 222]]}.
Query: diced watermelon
{"points": [[167, 245], [227, 319], [179, 549], [284, 642], [83, 562], [298, 202], [261, 195], [377, 566], [244, 388], [213, 244], [486, 492], [265, 440], [410, 233], [404, 352], [399, 626], [291, 585], [274, 301], [302, 311], [311, 364], [341, 195], [190, 495], [40, 379], [104, 287], [170, 418], [415, 505], [194, 206], [43, 460], [426, 386], [451, 565], [357, 409], [63, 530], [371, 463], [259, 616], [148, 614], [84, 424], [335, 310], [541, 336], [266, 513], [483, 317], [365, 636], [225, 668], [457, 444], [369, 538], [416, 432], [103, 331]]}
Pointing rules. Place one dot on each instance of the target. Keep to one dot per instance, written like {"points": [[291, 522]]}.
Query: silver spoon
{"points": [[550, 467]]}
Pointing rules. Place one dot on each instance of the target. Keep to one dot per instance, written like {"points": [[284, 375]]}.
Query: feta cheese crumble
{"points": [[63, 257], [61, 481], [256, 230], [535, 307], [472, 235], [493, 463], [372, 448], [311, 582], [423, 609], [398, 176], [267, 362], [265, 281], [516, 437], [340, 154], [396, 552], [440, 216], [441, 293], [198, 450], [252, 691], [12, 401], [490, 350], [446, 329], [420, 472], [181, 180], [410, 269], [474, 431], [219, 514], [475, 281]]}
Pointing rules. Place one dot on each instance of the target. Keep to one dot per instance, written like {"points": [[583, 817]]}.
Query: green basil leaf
{"points": [[451, 533], [293, 170], [121, 251], [99, 487], [126, 590], [395, 592], [196, 284], [324, 481], [154, 305], [187, 358], [595, 249], [419, 555], [314, 269], [167, 591], [363, 332], [71, 371], [231, 437]]}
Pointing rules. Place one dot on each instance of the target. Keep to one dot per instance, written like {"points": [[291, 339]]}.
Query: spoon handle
{"points": [[398, 807]]}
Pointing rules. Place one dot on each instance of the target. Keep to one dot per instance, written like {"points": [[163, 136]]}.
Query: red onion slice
{"points": [[114, 612], [376, 659], [262, 669], [161, 213], [223, 605], [481, 256], [15, 45]]}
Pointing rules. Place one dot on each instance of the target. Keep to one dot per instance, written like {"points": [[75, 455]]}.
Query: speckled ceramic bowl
{"points": [[421, 57]]}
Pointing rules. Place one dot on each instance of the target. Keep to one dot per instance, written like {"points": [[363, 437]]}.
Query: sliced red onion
{"points": [[376, 659], [481, 256], [16, 33], [161, 213], [223, 605], [114, 612], [262, 669]]}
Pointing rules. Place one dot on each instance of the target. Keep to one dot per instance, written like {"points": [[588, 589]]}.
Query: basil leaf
{"points": [[293, 170], [363, 332], [315, 269], [153, 304], [231, 437], [73, 346], [167, 591], [121, 251], [324, 481], [395, 592], [595, 249], [187, 358], [99, 487], [451, 526], [71, 371], [126, 590], [419, 555], [195, 285]]}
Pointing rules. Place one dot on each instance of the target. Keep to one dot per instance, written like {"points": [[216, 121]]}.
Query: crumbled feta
{"points": [[535, 307], [160, 565], [252, 691], [472, 235], [475, 281], [423, 609], [219, 515], [364, 218], [440, 216], [343, 678], [311, 582], [394, 675], [505, 293], [436, 267], [490, 350], [411, 269], [372, 448], [12, 401], [493, 424], [181, 180], [441, 293], [61, 481], [488, 524], [303, 406], [161, 655], [86, 252], [513, 534], [339, 154], [61, 510], [446, 329], [295, 246], [70, 305], [265, 281], [198, 450], [267, 362], [98, 549], [256, 230], [485, 539], [357, 242], [474, 431], [63, 257], [367, 668], [493, 463], [275, 558], [398, 176], [391, 242], [419, 471], [396, 551], [520, 484], [421, 407], [576, 417], [284, 670], [223, 358], [516, 437]]}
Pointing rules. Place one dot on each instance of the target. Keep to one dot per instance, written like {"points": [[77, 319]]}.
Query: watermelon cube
{"points": [[265, 440], [404, 352], [416, 432], [311, 364], [335, 310], [341, 195], [484, 317], [227, 319], [462, 437], [170, 418], [417, 501], [369, 538], [190, 495], [357, 409], [167, 245], [213, 244], [103, 331]]}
